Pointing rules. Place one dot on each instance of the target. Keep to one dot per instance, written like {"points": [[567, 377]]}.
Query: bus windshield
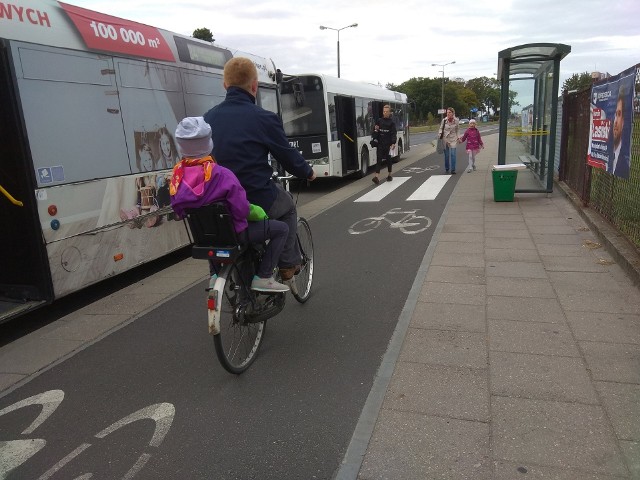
{"points": [[303, 106]]}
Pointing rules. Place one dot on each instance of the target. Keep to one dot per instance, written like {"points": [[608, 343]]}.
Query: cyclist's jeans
{"points": [[274, 230], [284, 209], [450, 158], [259, 232]]}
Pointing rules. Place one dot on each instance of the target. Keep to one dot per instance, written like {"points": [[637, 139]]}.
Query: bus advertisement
{"points": [[89, 104], [329, 120]]}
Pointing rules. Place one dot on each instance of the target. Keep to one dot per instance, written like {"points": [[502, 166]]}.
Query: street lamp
{"points": [[322, 27], [442, 97]]}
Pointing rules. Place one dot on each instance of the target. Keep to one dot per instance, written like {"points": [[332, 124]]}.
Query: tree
{"points": [[203, 34], [488, 92], [577, 81]]}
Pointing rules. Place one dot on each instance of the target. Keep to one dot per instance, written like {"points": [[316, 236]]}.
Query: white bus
{"points": [[88, 106], [330, 121]]}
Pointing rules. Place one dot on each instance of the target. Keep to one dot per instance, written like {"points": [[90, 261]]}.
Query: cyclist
{"points": [[244, 135], [197, 180]]}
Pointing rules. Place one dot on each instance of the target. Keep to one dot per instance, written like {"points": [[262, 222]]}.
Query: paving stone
{"points": [[512, 243], [555, 434], [449, 316], [545, 310], [455, 392], [412, 446], [531, 337], [457, 274], [631, 452], [458, 247], [622, 403], [613, 362], [515, 269], [453, 293], [445, 347], [458, 259], [464, 228], [609, 327], [520, 287], [542, 377], [515, 471], [510, 255]]}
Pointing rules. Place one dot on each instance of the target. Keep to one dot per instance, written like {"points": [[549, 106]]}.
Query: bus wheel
{"points": [[364, 163]]}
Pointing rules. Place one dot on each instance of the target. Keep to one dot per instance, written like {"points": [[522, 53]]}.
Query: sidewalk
{"points": [[519, 356]]}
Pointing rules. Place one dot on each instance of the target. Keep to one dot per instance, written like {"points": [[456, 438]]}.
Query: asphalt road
{"points": [[290, 416]]}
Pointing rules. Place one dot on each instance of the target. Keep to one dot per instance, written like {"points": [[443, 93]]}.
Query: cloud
{"points": [[396, 41]]}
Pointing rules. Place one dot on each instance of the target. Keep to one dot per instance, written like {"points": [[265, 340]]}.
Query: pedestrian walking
{"points": [[449, 133], [384, 137], [474, 143]]}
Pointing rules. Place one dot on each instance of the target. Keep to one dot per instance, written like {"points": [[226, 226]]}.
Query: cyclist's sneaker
{"points": [[291, 283], [267, 285], [389, 178], [287, 273]]}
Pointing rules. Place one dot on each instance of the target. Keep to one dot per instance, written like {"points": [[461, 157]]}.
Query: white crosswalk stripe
{"points": [[428, 190], [384, 189]]}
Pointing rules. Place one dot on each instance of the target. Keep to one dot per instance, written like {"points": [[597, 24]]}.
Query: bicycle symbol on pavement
{"points": [[410, 223], [14, 453], [421, 169]]}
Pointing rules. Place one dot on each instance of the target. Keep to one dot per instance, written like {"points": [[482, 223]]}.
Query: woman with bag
{"points": [[449, 135]]}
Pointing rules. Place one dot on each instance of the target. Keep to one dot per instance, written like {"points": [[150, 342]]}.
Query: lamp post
{"points": [[322, 27], [442, 97]]}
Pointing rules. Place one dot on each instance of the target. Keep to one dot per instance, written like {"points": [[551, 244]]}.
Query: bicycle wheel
{"points": [[304, 279], [238, 342]]}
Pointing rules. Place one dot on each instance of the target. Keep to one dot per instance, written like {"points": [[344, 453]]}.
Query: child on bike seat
{"points": [[198, 180]]}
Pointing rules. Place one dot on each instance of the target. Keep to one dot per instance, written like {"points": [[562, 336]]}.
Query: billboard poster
{"points": [[612, 123]]}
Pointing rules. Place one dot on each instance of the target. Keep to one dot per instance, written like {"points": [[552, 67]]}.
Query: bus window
{"points": [[268, 99], [303, 106]]}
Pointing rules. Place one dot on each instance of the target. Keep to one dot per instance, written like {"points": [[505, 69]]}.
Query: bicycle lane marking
{"points": [[430, 189], [14, 453], [384, 189]]}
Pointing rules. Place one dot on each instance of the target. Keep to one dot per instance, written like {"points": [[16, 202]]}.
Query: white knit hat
{"points": [[193, 136]]}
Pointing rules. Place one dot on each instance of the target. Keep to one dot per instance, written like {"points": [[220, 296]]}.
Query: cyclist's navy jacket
{"points": [[243, 136]]}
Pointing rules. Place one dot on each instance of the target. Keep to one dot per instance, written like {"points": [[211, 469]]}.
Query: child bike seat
{"points": [[214, 237]]}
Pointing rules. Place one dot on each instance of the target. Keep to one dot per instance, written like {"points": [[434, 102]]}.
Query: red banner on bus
{"points": [[113, 34]]}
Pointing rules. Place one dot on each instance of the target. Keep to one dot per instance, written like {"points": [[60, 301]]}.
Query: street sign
{"points": [[441, 111]]}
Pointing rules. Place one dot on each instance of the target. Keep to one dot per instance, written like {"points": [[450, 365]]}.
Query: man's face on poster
{"points": [[618, 123]]}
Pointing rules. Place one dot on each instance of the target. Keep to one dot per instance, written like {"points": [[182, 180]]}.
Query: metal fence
{"points": [[615, 198]]}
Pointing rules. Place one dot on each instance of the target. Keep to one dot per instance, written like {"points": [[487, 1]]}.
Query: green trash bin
{"points": [[504, 185]]}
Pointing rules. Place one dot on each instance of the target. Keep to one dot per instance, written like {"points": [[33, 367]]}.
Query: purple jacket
{"points": [[223, 185], [473, 138]]}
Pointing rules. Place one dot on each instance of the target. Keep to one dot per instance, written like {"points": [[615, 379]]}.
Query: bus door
{"points": [[25, 281], [347, 132]]}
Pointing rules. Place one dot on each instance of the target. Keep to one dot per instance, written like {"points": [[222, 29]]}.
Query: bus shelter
{"points": [[529, 80]]}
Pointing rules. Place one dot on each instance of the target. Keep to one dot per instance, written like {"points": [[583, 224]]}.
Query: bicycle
{"points": [[237, 315], [409, 224]]}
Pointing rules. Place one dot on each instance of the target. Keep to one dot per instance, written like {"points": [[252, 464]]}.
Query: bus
{"points": [[329, 120], [88, 107]]}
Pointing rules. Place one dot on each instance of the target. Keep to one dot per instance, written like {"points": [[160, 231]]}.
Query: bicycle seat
{"points": [[214, 236]]}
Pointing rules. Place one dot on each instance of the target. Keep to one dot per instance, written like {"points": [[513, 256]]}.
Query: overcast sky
{"points": [[396, 40]]}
